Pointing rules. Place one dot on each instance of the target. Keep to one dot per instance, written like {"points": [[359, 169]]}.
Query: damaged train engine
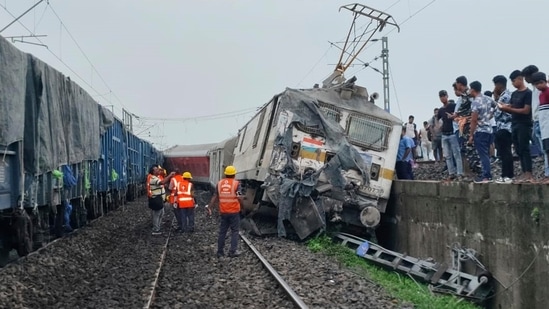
{"points": [[312, 156], [318, 155]]}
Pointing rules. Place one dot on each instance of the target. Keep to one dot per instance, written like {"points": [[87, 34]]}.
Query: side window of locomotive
{"points": [[368, 132], [259, 127]]}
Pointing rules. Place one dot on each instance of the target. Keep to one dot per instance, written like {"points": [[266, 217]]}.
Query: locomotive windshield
{"points": [[368, 132]]}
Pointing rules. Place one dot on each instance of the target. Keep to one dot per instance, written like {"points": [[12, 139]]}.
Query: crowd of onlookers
{"points": [[480, 128]]}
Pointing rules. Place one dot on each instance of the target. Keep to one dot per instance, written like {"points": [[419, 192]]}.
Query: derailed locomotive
{"points": [[322, 154], [318, 155]]}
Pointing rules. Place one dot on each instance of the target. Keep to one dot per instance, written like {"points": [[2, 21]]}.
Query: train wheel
{"points": [[4, 257], [92, 208], [99, 203], [117, 199], [75, 214], [58, 220], [104, 203], [131, 194], [24, 234], [83, 212]]}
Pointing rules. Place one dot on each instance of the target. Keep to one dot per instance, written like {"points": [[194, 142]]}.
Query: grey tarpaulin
{"points": [[60, 122], [306, 111], [13, 72]]}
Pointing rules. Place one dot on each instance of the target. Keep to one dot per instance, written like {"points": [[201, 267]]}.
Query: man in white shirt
{"points": [[425, 137], [411, 132], [536, 132]]}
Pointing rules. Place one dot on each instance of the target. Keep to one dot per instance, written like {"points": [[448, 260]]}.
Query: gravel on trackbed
{"points": [[193, 277], [436, 170], [112, 263], [109, 264]]}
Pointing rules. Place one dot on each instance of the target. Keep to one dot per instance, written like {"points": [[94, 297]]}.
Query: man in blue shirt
{"points": [[503, 140], [450, 142], [482, 110], [404, 156]]}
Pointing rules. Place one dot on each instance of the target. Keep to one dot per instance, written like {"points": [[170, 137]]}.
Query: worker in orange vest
{"points": [[185, 202], [227, 194], [171, 198], [161, 176]]}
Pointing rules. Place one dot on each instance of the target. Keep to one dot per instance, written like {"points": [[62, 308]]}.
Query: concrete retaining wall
{"points": [[507, 224]]}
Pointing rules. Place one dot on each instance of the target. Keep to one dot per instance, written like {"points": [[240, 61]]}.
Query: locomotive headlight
{"points": [[374, 171], [370, 217]]}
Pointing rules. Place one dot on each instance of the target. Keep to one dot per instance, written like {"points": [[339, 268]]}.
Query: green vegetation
{"points": [[535, 215], [401, 287]]}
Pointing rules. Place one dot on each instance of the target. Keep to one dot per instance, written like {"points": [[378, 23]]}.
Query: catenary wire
{"points": [[52, 53], [315, 65], [204, 117], [395, 91], [86, 56]]}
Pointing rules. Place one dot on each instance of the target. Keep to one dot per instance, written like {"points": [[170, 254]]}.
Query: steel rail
{"points": [[295, 298], [150, 299]]}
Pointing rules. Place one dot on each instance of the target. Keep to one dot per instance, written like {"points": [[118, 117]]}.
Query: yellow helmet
{"points": [[187, 175], [230, 170]]}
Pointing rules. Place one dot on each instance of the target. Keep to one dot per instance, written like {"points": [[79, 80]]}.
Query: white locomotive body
{"points": [[318, 155]]}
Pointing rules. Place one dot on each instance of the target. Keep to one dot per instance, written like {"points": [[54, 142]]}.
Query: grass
{"points": [[401, 287]]}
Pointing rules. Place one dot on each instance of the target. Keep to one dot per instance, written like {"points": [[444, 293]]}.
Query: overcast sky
{"points": [[187, 59]]}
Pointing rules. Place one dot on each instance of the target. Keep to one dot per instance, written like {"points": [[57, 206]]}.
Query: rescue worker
{"points": [[149, 175], [156, 200], [185, 203], [161, 176], [227, 194], [172, 198]]}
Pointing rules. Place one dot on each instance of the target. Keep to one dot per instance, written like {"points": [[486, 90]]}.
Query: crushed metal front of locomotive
{"points": [[315, 173]]}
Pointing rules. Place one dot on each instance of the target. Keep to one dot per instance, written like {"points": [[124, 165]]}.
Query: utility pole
{"points": [[385, 57]]}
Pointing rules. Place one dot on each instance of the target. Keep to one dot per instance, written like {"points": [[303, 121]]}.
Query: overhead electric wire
{"points": [[86, 56], [51, 52], [41, 17], [204, 117], [395, 91], [393, 29], [405, 21], [314, 66]]}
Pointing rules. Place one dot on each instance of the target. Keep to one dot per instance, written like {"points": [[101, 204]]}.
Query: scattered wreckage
{"points": [[455, 280]]}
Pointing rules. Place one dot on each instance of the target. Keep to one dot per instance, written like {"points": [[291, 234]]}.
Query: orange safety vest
{"points": [[184, 194], [173, 187], [228, 200], [149, 192]]}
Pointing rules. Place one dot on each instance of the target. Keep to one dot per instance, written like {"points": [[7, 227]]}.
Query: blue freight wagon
{"points": [[59, 150]]}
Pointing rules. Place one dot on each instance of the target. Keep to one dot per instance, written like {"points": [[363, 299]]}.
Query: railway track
{"points": [[150, 297], [289, 293], [105, 265], [116, 263]]}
